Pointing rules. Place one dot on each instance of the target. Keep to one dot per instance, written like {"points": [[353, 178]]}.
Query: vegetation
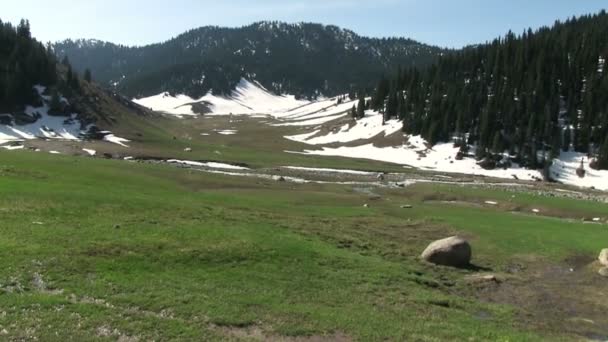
{"points": [[173, 255], [24, 62], [538, 92], [301, 59]]}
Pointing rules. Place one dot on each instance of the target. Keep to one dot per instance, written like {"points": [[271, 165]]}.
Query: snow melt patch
{"points": [[46, 127], [178, 105], [213, 165], [13, 147], [440, 158], [248, 98], [116, 140], [348, 172], [227, 132], [366, 128], [90, 152], [564, 169]]}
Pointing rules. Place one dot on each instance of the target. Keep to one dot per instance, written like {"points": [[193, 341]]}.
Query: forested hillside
{"points": [[24, 62], [532, 95], [300, 59]]}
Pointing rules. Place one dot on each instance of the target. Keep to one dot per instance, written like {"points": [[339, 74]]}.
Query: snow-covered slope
{"points": [[326, 126], [367, 128], [45, 126], [415, 152], [247, 98]]}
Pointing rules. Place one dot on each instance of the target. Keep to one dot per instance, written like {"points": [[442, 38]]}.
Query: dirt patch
{"points": [[567, 297], [256, 333]]}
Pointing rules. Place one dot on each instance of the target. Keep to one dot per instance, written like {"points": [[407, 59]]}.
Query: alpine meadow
{"points": [[263, 176]]}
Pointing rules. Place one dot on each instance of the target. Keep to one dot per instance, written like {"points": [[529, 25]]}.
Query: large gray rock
{"points": [[453, 251], [603, 258]]}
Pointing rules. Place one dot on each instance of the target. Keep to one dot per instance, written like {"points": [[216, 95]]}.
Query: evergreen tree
{"points": [[55, 103], [361, 107], [89, 78], [517, 93], [603, 155]]}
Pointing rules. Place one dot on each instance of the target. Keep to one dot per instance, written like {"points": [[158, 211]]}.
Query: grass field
{"points": [[95, 249]]}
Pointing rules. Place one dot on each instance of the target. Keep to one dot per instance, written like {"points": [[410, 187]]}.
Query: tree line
{"points": [[25, 63], [531, 95], [305, 60]]}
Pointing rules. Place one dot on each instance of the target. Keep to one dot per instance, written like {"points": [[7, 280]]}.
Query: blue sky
{"points": [[451, 23]]}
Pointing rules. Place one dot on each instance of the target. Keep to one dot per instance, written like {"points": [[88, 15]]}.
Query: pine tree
{"points": [[361, 107], [567, 140], [89, 78], [603, 156], [55, 103]]}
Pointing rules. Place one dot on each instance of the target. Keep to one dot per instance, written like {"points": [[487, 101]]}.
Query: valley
{"points": [[252, 184]]}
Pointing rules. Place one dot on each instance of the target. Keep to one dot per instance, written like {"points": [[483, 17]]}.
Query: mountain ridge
{"points": [[304, 59]]}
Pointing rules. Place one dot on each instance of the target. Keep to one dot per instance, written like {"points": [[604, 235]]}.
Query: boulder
{"points": [[603, 272], [487, 164], [603, 258], [453, 251]]}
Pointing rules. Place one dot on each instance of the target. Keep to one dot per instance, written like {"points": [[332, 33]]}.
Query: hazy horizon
{"points": [[451, 25]]}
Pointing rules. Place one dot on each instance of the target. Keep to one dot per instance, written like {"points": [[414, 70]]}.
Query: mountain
{"points": [[300, 59], [519, 99]]}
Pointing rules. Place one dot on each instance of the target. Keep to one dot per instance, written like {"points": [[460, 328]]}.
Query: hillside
{"points": [[521, 99], [46, 100], [299, 59]]}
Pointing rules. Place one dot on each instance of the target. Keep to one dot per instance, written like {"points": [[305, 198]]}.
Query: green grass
{"points": [[162, 253]]}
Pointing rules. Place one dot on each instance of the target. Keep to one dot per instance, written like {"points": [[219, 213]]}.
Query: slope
{"points": [[300, 59]]}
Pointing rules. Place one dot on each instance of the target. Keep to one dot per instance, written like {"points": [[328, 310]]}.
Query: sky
{"points": [[447, 23]]}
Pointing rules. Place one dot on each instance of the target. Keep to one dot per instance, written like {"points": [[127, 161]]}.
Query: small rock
{"points": [[280, 179], [4, 332], [366, 205], [603, 272], [407, 206], [536, 211], [380, 177], [603, 258], [491, 203], [484, 278], [188, 149]]}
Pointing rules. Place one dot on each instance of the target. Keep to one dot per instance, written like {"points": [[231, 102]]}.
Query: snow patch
{"points": [[248, 98], [564, 169], [366, 128], [349, 172], [213, 165], [227, 132], [90, 152], [440, 158], [116, 140]]}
